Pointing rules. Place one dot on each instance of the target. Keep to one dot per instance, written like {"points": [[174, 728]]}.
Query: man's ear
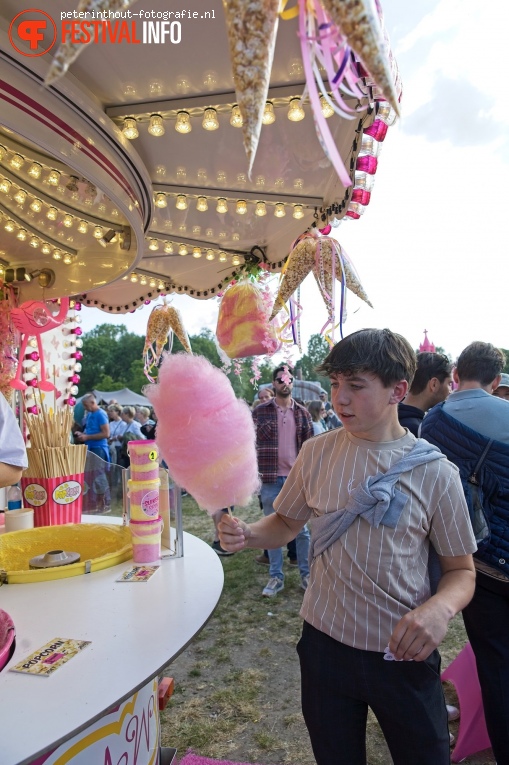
{"points": [[496, 382], [455, 376], [399, 391], [433, 384]]}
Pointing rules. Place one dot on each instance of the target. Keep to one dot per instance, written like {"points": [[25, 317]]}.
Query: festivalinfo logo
{"points": [[143, 27]]}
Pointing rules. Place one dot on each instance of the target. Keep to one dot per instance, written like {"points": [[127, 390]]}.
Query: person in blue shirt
{"points": [[97, 428]]}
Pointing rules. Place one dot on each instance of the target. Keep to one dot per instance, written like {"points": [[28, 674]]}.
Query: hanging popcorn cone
{"points": [[323, 273], [177, 326], [300, 262], [359, 23], [252, 28], [69, 51]]}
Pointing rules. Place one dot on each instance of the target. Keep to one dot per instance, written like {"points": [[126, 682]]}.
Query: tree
{"points": [[506, 354], [317, 350], [108, 351]]}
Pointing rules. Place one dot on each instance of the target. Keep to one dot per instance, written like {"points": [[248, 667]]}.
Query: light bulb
{"points": [[78, 344], [210, 255], [183, 123], [17, 161], [222, 205], [298, 211], [45, 249], [35, 170], [236, 117], [327, 109], [154, 245], [196, 252], [295, 110], [201, 204], [57, 255], [52, 213], [268, 114], [5, 185], [182, 249], [36, 205], [143, 281], [98, 232], [181, 202], [35, 242], [210, 121], [54, 178], [3, 152], [152, 284], [20, 196], [223, 257], [67, 259], [160, 200], [130, 128], [241, 207], [235, 260], [279, 210], [261, 209], [161, 285], [22, 234], [168, 248], [156, 125], [82, 227], [10, 226], [67, 220], [134, 278]]}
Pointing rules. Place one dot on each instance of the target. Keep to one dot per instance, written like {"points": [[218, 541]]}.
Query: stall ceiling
{"points": [[290, 167]]}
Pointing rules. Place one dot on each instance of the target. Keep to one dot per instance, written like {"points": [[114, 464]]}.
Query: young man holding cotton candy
{"points": [[376, 498]]}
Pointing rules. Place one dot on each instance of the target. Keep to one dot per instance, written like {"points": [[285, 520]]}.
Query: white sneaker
{"points": [[304, 581], [274, 585]]}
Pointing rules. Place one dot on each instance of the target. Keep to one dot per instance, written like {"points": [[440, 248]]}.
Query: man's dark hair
{"points": [[378, 351], [430, 365], [282, 368], [480, 362]]}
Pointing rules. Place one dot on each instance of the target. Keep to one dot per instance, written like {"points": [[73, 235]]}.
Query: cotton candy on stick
{"points": [[359, 23], [252, 28], [205, 434], [69, 51]]}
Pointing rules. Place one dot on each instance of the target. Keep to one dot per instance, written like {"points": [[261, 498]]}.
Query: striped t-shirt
{"points": [[363, 584]]}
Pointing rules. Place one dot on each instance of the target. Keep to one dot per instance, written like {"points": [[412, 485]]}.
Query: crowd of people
{"points": [[407, 504]]}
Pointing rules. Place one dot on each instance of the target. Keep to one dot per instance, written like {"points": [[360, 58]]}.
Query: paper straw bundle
{"points": [[51, 455]]}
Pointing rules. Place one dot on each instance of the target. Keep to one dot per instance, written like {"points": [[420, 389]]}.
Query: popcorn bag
{"points": [[55, 501]]}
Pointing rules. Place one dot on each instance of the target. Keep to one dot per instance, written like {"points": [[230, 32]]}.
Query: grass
{"points": [[237, 686]]}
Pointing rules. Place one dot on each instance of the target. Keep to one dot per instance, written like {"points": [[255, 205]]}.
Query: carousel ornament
{"points": [[69, 51], [252, 28], [163, 321], [31, 319]]}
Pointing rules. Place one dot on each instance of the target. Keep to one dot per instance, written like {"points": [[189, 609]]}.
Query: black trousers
{"points": [[487, 623], [339, 683]]}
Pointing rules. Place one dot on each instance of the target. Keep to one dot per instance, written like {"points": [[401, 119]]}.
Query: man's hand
{"points": [[420, 631], [233, 533]]}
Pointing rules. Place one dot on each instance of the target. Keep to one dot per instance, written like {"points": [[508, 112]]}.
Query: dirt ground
{"points": [[237, 690]]}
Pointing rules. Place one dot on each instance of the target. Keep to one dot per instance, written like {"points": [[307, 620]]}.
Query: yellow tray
{"points": [[99, 545]]}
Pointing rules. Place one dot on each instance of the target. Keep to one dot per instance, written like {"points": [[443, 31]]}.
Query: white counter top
{"points": [[135, 629]]}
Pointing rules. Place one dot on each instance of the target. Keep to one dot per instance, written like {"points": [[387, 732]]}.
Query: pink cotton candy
{"points": [[205, 434]]}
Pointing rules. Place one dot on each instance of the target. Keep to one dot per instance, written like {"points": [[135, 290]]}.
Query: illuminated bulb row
{"points": [[170, 248], [210, 121], [35, 169], [34, 241], [241, 206], [52, 213]]}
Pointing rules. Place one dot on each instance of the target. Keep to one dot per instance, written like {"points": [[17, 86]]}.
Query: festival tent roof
{"points": [[124, 397]]}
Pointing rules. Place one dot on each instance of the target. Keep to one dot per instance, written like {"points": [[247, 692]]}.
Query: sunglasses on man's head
{"points": [[280, 380]]}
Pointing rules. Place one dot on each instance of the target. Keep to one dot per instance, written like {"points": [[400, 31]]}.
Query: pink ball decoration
{"points": [[32, 410], [378, 130], [77, 355], [71, 401], [205, 434], [74, 379], [77, 306], [76, 331], [33, 382], [367, 164], [361, 196], [34, 356]]}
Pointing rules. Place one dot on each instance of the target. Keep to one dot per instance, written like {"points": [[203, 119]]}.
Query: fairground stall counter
{"points": [[147, 151]]}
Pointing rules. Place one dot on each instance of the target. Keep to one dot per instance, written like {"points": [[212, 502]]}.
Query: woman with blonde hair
{"points": [[317, 411]]}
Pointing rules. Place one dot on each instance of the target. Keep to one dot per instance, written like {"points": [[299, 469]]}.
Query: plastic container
{"points": [[146, 540], [144, 497], [14, 497], [144, 456]]}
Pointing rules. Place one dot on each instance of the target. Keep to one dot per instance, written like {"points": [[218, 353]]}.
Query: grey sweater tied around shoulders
{"points": [[375, 499]]}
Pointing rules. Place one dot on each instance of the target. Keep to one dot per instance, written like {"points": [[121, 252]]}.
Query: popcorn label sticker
{"points": [[35, 494]]}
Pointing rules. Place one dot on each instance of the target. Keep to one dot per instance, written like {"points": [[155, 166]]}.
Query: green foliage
{"points": [[506, 354], [108, 351], [317, 350]]}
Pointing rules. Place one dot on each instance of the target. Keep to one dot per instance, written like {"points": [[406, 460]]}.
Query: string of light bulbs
{"points": [[242, 206], [183, 118], [176, 248]]}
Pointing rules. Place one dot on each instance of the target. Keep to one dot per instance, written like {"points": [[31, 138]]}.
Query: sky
{"points": [[431, 248]]}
